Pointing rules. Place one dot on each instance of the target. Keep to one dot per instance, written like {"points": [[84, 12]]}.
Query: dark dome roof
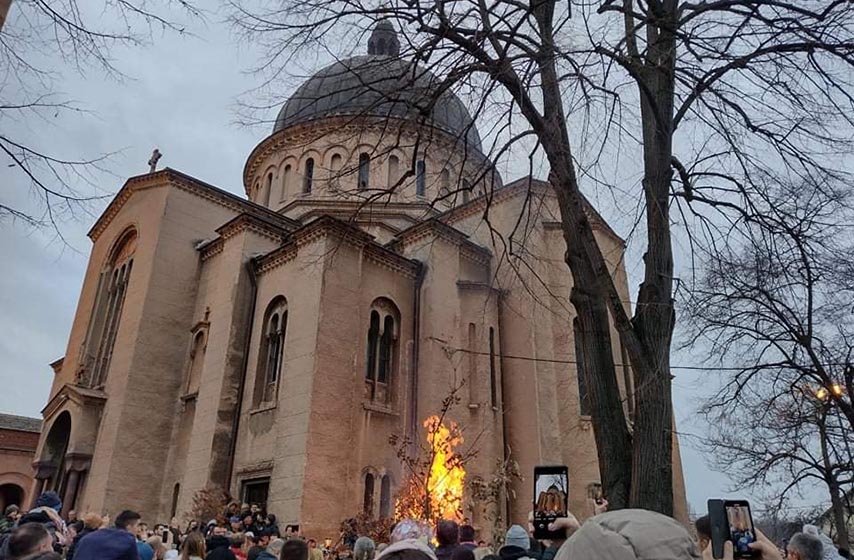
{"points": [[379, 85]]}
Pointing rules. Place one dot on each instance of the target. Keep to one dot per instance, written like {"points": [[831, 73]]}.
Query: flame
{"points": [[438, 493]]}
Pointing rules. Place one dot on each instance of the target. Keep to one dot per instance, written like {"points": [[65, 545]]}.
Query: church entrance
{"points": [[11, 494]]}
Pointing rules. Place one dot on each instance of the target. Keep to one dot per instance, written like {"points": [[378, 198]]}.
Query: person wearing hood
{"points": [[31, 541], [219, 545], [516, 544], [829, 550]]}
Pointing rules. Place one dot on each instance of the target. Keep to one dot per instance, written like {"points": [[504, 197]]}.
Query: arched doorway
{"points": [[11, 494], [53, 454]]}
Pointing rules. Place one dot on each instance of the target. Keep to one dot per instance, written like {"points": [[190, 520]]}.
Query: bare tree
{"points": [[777, 302], [36, 34], [708, 95]]}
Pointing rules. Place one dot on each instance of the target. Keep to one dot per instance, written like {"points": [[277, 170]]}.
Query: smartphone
{"points": [[165, 536], [731, 520], [551, 499]]}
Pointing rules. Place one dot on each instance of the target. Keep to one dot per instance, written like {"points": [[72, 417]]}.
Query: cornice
{"points": [[248, 222], [76, 394], [437, 229], [171, 177]]}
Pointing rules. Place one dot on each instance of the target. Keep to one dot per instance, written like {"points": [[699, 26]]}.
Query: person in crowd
{"points": [[271, 524], [91, 522], [219, 545], [145, 552], [249, 524], [829, 551], [314, 553], [273, 550], [448, 537], [462, 553], [406, 529], [516, 544], [805, 546], [10, 517], [467, 537], [118, 543], [238, 545], [156, 544], [46, 512], [295, 549], [262, 541], [291, 532], [236, 525], [364, 549], [31, 541], [414, 548], [482, 551], [193, 547], [232, 510], [72, 517]]}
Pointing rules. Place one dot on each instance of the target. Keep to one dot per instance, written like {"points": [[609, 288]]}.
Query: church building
{"points": [[272, 345]]}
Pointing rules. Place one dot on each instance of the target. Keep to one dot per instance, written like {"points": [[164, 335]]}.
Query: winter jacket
{"points": [[254, 552], [265, 556], [509, 552], [107, 544], [144, 550], [445, 551], [629, 534]]}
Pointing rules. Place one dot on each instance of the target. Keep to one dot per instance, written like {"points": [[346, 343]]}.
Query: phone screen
{"points": [[741, 531], [551, 494]]}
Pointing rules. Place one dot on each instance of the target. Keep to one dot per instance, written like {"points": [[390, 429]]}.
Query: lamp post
{"points": [[825, 403]]}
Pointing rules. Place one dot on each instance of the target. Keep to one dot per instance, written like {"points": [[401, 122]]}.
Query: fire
{"points": [[436, 493]]}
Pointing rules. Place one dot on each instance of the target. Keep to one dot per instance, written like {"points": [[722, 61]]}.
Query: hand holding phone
{"points": [[551, 501], [732, 521]]}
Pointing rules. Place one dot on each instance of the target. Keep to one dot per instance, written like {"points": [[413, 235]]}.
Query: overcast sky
{"points": [[181, 99]]}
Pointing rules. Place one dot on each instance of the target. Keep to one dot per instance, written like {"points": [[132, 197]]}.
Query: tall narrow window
{"points": [[493, 374], [268, 188], [471, 342], [385, 497], [393, 171], [286, 180], [444, 183], [364, 171], [373, 340], [308, 176], [368, 500], [382, 351], [466, 191], [335, 165], [197, 359], [420, 177], [272, 352], [580, 370], [386, 341], [108, 309], [176, 491]]}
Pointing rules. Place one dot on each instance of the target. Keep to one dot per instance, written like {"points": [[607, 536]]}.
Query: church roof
{"points": [[20, 423], [380, 84]]}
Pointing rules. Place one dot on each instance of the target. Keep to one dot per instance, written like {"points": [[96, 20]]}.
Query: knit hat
{"points": [[49, 499], [629, 534], [518, 537]]}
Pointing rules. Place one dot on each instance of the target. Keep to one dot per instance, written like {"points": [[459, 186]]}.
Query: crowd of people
{"points": [[245, 532]]}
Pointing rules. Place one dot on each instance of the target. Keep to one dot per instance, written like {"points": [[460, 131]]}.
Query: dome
{"points": [[378, 84]]}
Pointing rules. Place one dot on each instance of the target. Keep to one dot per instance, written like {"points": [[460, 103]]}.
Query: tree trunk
{"points": [[652, 469], [836, 503]]}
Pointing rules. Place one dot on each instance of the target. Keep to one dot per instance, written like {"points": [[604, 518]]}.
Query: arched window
{"points": [[385, 497], [197, 359], [580, 371], [466, 191], [420, 177], [382, 350], [368, 500], [272, 352], [286, 180], [108, 309], [268, 188], [335, 165], [364, 170], [393, 170], [308, 176]]}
